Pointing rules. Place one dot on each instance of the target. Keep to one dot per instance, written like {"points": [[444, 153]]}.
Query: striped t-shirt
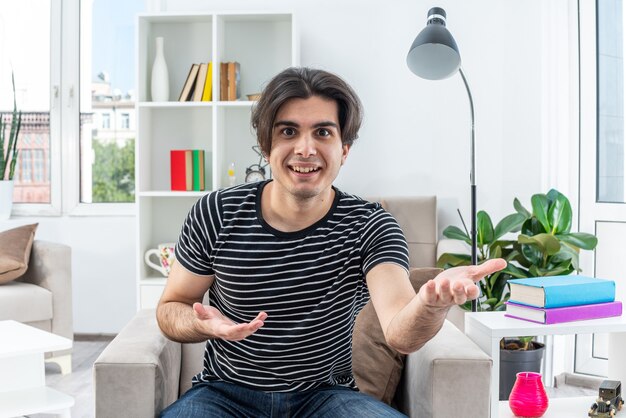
{"points": [[311, 283]]}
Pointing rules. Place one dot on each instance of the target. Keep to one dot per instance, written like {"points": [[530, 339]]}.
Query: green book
{"points": [[198, 169]]}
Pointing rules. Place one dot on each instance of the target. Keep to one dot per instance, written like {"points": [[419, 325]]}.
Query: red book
{"points": [[181, 170], [563, 314]]}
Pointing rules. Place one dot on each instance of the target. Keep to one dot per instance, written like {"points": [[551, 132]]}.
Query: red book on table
{"points": [[181, 170]]}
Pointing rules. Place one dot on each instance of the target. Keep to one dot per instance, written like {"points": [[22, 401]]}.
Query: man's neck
{"points": [[287, 213]]}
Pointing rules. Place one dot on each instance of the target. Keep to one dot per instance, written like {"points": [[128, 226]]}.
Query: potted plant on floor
{"points": [[545, 246], [8, 156]]}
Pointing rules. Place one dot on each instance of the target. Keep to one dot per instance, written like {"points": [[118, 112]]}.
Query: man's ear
{"points": [[345, 150]]}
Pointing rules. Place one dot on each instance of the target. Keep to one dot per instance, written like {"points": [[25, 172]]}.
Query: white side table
{"points": [[486, 329], [23, 388], [557, 407]]}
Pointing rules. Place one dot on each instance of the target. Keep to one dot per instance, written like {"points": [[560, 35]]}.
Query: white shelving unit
{"points": [[263, 44]]}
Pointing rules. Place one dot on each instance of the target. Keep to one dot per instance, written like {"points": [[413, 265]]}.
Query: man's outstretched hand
{"points": [[212, 322], [457, 285]]}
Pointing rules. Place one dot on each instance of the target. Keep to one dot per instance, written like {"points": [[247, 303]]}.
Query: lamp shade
{"points": [[434, 54]]}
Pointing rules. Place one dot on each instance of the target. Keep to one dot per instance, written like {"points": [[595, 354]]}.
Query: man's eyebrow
{"points": [[322, 124], [285, 123]]}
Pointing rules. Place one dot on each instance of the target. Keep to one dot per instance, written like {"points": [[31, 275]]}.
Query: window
{"points": [[106, 121], [107, 57], [610, 50], [125, 121], [26, 53], [84, 109]]}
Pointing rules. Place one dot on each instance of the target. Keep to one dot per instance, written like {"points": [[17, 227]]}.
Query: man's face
{"points": [[306, 149]]}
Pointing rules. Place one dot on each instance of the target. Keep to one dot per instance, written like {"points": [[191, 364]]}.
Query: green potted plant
{"points": [[8, 156], [544, 246]]}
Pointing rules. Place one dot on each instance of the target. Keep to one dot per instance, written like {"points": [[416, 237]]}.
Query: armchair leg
{"points": [[64, 362]]}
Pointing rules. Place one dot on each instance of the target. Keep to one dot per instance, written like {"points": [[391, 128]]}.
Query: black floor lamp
{"points": [[435, 56]]}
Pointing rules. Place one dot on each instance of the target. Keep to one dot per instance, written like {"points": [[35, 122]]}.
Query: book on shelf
{"points": [[198, 169], [223, 81], [558, 291], [181, 170], [234, 78], [188, 88], [200, 82], [563, 314], [207, 94]]}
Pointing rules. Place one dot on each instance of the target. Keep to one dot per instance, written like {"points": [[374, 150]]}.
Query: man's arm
{"points": [[183, 318], [409, 320]]}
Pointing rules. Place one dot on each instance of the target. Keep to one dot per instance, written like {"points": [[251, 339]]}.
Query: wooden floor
{"points": [[86, 350], [79, 383]]}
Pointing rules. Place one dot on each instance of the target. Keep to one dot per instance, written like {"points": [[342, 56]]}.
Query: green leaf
{"points": [[454, 232], [581, 240], [546, 243], [540, 210], [515, 271], [534, 271], [453, 260], [521, 209], [510, 223], [484, 228], [560, 214]]}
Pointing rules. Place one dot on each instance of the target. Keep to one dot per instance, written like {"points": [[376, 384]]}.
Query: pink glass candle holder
{"points": [[528, 397]]}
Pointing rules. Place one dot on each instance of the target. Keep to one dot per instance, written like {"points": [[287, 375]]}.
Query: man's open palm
{"points": [[214, 323], [457, 285]]}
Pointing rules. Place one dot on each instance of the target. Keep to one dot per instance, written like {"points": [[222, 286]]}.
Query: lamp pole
{"points": [[434, 55], [473, 227]]}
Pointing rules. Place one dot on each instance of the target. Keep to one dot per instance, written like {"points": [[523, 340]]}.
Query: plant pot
{"points": [[6, 198], [515, 361]]}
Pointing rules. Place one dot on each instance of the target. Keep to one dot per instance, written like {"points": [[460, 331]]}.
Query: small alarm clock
{"points": [[255, 173]]}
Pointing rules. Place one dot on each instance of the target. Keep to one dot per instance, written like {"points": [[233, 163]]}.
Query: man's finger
{"points": [[200, 311], [487, 268]]}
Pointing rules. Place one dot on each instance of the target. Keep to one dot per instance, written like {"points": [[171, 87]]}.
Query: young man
{"points": [[289, 263]]}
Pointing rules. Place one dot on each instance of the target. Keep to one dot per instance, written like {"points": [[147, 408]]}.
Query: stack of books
{"points": [[187, 169], [557, 299], [230, 80], [198, 85]]}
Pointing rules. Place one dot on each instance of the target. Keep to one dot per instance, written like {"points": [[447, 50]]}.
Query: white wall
{"points": [[415, 138]]}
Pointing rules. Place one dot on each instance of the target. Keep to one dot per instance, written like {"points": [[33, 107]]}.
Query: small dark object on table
{"points": [[609, 400]]}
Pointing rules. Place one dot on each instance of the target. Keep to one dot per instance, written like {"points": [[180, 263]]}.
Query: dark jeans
{"points": [[220, 399]]}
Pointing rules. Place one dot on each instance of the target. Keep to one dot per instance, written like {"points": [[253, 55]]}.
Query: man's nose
{"points": [[305, 146]]}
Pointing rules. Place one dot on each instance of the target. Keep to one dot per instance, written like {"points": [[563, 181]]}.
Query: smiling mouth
{"points": [[304, 170]]}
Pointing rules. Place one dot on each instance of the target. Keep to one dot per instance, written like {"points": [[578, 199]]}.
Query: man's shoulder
{"points": [[347, 200]]}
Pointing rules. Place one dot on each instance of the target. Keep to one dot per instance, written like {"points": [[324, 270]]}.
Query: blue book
{"points": [[558, 291]]}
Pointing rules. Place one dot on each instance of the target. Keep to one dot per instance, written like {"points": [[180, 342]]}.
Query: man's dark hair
{"points": [[303, 83]]}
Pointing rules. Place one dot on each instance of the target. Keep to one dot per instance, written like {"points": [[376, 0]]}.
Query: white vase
{"points": [[6, 198], [160, 86]]}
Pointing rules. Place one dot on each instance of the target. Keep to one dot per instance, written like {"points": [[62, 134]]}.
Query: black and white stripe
{"points": [[311, 283]]}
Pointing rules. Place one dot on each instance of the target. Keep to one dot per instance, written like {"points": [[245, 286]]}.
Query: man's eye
{"points": [[323, 132], [289, 131]]}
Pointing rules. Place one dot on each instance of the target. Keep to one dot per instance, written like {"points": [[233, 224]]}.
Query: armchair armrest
{"points": [[138, 374], [50, 267], [448, 377]]}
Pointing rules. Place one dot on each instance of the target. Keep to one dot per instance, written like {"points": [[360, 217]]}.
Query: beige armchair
{"points": [[42, 297], [141, 372]]}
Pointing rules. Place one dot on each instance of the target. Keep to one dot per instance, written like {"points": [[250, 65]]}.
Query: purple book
{"points": [[564, 314]]}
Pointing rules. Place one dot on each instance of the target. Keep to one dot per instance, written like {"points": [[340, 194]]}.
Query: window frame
{"points": [[65, 19]]}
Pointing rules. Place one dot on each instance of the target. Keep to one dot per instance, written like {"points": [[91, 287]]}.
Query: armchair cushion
{"points": [[15, 246], [25, 302], [377, 367]]}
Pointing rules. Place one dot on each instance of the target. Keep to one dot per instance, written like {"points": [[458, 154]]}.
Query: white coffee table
{"points": [[23, 388]]}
